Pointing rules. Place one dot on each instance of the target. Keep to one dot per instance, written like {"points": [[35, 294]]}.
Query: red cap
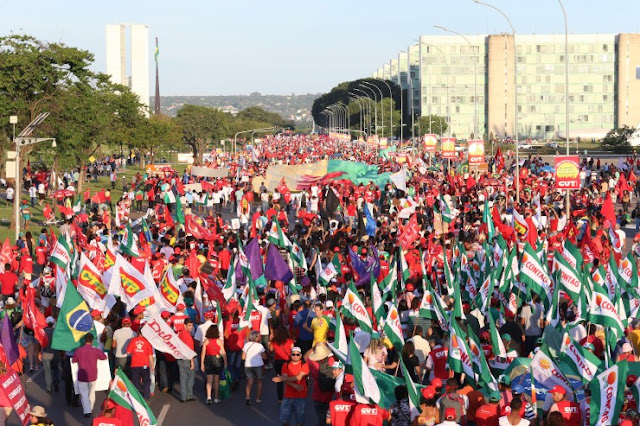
{"points": [[436, 383], [631, 380], [410, 287], [626, 423], [506, 410], [208, 314], [336, 249], [165, 314], [138, 310], [96, 313], [126, 321], [558, 389], [428, 392], [180, 306], [346, 387], [109, 404], [450, 413], [177, 250]]}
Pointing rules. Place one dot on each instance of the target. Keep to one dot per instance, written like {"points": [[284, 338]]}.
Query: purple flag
{"points": [[276, 268], [365, 269], [8, 340], [252, 251]]}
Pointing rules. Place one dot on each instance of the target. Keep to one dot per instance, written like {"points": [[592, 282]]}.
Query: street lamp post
{"points": [[566, 90], [235, 138], [391, 105], [355, 99], [367, 105], [515, 94], [371, 86], [375, 105], [475, 80]]}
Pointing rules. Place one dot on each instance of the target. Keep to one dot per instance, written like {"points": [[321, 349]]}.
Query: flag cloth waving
{"points": [[123, 393], [353, 307], [607, 392], [584, 363], [365, 386], [74, 321]]}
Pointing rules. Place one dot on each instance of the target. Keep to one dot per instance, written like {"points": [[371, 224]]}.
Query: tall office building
{"points": [[469, 81], [129, 70]]}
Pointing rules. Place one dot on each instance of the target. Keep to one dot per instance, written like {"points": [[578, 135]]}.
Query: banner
{"points": [[476, 151], [448, 147], [302, 176], [567, 172], [12, 387], [430, 142], [208, 172], [101, 383], [164, 339]]}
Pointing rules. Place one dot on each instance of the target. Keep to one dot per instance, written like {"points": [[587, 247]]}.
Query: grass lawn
{"points": [[6, 211]]}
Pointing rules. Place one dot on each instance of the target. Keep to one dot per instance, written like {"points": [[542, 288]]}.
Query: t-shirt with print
{"points": [[140, 351]]}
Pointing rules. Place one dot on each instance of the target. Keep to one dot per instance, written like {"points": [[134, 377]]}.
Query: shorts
{"points": [[293, 406], [254, 372], [213, 364]]}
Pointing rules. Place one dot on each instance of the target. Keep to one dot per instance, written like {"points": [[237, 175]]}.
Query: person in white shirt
{"points": [[10, 192], [97, 323], [421, 344], [33, 193], [202, 328], [254, 356]]}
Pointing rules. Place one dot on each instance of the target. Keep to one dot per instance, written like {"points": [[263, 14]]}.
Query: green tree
{"points": [[258, 114], [433, 124], [617, 140], [154, 133], [200, 125]]}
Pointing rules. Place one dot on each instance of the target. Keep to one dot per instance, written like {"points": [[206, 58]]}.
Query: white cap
{"points": [[329, 304]]}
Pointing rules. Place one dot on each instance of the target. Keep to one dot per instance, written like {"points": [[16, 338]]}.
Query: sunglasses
{"points": [[296, 354]]}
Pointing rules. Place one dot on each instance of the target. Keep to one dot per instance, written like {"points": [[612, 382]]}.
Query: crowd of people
{"points": [[449, 299]]}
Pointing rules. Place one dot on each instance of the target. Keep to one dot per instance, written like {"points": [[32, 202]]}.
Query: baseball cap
{"points": [[109, 404], [165, 314], [630, 379], [51, 320], [626, 347], [180, 306], [517, 390], [96, 313], [138, 310], [504, 379], [208, 314], [296, 350], [338, 364], [271, 302], [450, 413], [329, 304], [428, 392], [506, 337], [126, 321], [436, 383], [558, 389], [494, 396]]}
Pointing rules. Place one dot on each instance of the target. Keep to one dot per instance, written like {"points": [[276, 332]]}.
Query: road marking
{"points": [[163, 414]]}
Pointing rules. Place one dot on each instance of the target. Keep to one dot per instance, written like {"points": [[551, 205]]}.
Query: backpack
{"points": [[326, 382], [454, 401]]}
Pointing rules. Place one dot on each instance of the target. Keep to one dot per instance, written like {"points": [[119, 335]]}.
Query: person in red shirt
{"points": [[436, 362], [108, 417], [26, 262], [41, 255], [187, 367], [341, 410], [294, 376], [570, 410], [8, 280], [177, 320], [142, 364], [489, 414], [138, 314], [369, 415]]}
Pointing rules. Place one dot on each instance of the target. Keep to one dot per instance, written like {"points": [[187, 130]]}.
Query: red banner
{"points": [[448, 147], [476, 151], [430, 142], [12, 387], [567, 172]]}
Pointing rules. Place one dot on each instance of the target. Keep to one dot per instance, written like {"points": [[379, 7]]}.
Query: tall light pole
{"points": [[566, 90], [475, 79], [366, 104], [375, 104], [354, 98], [371, 86], [515, 94], [391, 103]]}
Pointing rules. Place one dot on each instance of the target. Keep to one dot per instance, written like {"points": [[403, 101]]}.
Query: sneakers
{"points": [[209, 401], [217, 401], [247, 401]]}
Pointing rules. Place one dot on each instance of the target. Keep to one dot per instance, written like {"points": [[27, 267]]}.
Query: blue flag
{"points": [[371, 223], [276, 268]]}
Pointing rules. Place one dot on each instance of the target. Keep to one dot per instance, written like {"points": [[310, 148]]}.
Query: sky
{"points": [[234, 47]]}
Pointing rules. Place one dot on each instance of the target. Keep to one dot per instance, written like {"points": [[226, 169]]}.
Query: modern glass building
{"points": [[470, 81]]}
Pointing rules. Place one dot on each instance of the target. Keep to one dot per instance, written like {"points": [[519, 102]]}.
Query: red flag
{"points": [[167, 218], [34, 319], [213, 291], [410, 233], [608, 211], [67, 211], [194, 228], [532, 235], [632, 177], [98, 260], [499, 158], [622, 184], [6, 254], [193, 264]]}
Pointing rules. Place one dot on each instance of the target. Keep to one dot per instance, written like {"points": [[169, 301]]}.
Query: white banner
{"points": [[209, 172], [164, 339]]}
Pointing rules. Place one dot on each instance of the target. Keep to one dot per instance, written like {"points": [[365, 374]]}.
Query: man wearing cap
{"points": [[119, 344], [341, 409], [570, 410], [187, 367], [108, 417], [452, 399], [177, 320], [142, 364], [202, 329], [320, 361], [294, 376], [86, 356], [138, 315], [98, 323], [436, 362], [488, 414]]}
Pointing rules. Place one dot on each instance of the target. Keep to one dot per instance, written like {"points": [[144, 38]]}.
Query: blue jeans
{"points": [[234, 359], [141, 378], [293, 406]]}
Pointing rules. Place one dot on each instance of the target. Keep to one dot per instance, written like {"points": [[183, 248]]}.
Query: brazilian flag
{"points": [[74, 321]]}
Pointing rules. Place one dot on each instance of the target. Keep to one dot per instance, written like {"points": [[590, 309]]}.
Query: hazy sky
{"points": [[212, 47]]}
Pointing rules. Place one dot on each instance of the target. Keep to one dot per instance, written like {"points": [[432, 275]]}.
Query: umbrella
{"points": [[61, 193]]}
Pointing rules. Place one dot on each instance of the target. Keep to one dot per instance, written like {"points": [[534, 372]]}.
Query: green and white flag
{"points": [[61, 253], [488, 220], [602, 311], [607, 395], [442, 207], [485, 292], [277, 237], [298, 256], [404, 267], [390, 283], [584, 363], [128, 244], [326, 274], [366, 389], [414, 395], [533, 273], [571, 282], [376, 300], [497, 344], [628, 272], [353, 306], [340, 338], [553, 314], [124, 393], [230, 287], [572, 255], [428, 305], [393, 328], [448, 276], [459, 353], [547, 373]]}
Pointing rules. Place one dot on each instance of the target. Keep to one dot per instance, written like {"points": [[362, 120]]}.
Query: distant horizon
{"points": [[283, 47]]}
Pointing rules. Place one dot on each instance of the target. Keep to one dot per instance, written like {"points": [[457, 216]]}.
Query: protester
{"points": [[87, 357], [294, 377], [254, 356], [213, 360]]}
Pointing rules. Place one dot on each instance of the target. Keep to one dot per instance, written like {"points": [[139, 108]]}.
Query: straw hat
{"points": [[38, 411], [320, 352]]}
